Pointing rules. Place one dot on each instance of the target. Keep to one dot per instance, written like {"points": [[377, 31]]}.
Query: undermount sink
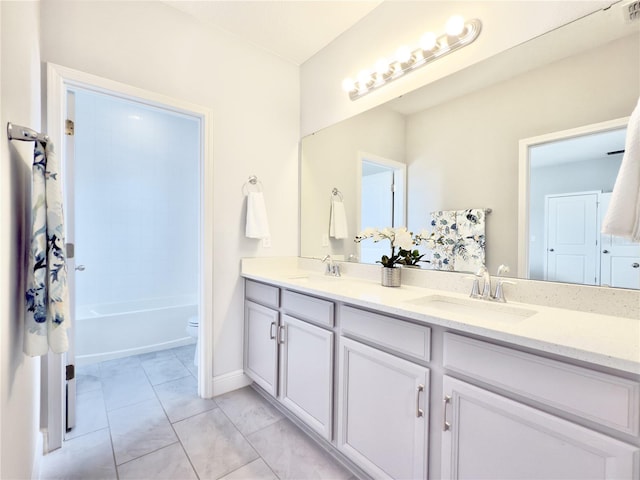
{"points": [[312, 278], [477, 308]]}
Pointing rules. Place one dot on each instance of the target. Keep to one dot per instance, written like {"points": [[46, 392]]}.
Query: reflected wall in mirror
{"points": [[459, 137]]}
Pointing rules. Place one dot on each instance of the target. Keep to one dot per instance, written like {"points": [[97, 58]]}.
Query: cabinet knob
{"points": [[552, 249], [605, 251]]}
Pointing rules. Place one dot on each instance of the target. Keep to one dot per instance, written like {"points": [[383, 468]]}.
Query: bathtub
{"points": [[108, 331]]}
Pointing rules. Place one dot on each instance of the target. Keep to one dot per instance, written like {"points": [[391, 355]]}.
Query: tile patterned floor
{"points": [[140, 418]]}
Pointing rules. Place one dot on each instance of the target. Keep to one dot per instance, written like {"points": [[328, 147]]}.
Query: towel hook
{"points": [[337, 193], [252, 181]]}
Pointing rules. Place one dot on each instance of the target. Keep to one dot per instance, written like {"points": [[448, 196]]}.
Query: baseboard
{"points": [[229, 382]]}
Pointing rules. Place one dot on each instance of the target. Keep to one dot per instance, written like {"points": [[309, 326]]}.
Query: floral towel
{"points": [[46, 319], [461, 247]]}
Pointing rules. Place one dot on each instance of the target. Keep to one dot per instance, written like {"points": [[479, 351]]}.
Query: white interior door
{"points": [[619, 256], [572, 238]]}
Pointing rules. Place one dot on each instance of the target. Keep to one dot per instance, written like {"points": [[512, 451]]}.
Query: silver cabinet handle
{"points": [[635, 265], [445, 425], [281, 334], [419, 411], [272, 335], [80, 268]]}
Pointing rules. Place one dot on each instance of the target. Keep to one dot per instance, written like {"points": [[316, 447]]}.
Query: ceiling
{"points": [[293, 30]]}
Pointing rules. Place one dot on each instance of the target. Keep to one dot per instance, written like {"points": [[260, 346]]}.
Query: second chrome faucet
{"points": [[483, 273]]}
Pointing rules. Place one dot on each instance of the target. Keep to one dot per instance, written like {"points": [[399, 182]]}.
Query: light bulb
{"points": [[382, 66], [364, 77], [348, 85], [403, 55], [428, 41], [455, 26]]}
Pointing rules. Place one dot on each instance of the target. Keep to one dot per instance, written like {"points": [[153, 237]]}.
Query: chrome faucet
{"points": [[486, 279], [331, 269]]}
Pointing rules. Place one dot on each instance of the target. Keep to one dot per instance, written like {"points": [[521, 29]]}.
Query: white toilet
{"points": [[192, 331]]}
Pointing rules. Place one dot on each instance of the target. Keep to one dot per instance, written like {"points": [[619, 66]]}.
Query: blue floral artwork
{"points": [[46, 297], [462, 248]]}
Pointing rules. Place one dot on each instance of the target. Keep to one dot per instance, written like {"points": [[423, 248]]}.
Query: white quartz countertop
{"points": [[603, 340]]}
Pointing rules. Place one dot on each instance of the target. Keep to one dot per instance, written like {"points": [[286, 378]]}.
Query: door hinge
{"points": [[70, 372], [69, 127], [393, 187], [70, 250]]}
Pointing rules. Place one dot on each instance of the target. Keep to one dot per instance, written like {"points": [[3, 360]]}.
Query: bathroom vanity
{"points": [[419, 383]]}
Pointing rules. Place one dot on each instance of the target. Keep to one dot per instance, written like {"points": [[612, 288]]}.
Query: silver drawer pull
{"points": [[281, 334], [272, 334], [419, 411], [635, 265], [445, 425]]}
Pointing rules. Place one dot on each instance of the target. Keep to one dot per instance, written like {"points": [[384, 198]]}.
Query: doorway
{"points": [[382, 201], [130, 191]]}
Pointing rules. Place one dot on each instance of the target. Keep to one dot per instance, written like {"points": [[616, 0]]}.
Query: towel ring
{"points": [[252, 182], [337, 193]]}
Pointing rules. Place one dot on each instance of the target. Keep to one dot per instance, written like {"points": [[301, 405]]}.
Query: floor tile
{"points": [[91, 414], [256, 470], [139, 429], [126, 388], [293, 455], [165, 369], [157, 355], [118, 366], [248, 410], [186, 354], [87, 457], [214, 446], [180, 400], [88, 378], [168, 463]]}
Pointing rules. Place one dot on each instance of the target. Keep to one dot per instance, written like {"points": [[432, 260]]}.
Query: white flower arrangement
{"points": [[399, 237]]}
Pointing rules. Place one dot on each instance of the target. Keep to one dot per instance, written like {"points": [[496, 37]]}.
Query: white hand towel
{"points": [[623, 216], [257, 221], [338, 222]]}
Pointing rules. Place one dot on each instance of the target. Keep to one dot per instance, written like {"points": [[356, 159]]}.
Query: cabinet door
{"points": [[488, 436], [306, 373], [261, 349], [382, 422]]}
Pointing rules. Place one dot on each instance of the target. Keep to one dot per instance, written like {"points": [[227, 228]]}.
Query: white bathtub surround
{"points": [[115, 330], [257, 220], [557, 328], [623, 215]]}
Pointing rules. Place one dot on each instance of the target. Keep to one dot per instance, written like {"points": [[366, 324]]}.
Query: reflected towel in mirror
{"points": [[338, 222], [257, 221], [623, 216]]}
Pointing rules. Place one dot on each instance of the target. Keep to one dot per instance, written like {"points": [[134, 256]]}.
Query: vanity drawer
{"points": [[599, 397], [387, 332], [308, 308], [261, 293]]}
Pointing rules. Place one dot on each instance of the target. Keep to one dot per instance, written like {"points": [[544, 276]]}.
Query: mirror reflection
{"points": [[459, 141]]}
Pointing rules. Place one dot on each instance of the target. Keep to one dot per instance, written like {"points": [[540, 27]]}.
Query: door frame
{"points": [[59, 79], [524, 165]]}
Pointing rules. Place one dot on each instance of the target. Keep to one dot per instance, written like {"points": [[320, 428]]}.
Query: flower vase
{"points": [[390, 276]]}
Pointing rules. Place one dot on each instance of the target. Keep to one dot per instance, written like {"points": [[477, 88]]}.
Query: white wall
{"points": [[392, 24], [136, 184], [255, 101], [329, 159], [19, 375]]}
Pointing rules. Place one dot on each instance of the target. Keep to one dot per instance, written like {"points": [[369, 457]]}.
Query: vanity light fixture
{"points": [[458, 33]]}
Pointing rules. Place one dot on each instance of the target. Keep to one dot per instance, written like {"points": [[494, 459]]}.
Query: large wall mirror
{"points": [[460, 139]]}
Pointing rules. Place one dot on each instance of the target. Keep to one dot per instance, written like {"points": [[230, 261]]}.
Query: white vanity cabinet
{"points": [[289, 354], [487, 435], [261, 319], [383, 405]]}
